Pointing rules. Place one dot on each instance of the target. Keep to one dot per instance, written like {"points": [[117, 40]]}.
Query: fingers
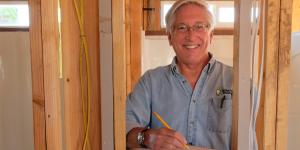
{"points": [[164, 138]]}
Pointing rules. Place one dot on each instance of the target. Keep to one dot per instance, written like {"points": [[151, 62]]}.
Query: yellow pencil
{"points": [[165, 124]]}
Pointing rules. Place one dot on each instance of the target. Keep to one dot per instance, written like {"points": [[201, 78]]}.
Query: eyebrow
{"points": [[193, 24]]}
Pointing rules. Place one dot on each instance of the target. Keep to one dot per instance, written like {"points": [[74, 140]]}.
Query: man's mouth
{"points": [[191, 46]]}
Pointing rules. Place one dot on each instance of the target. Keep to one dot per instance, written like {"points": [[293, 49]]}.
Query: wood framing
{"points": [[133, 42], [272, 122], [57, 104], [45, 75], [272, 132], [241, 76], [126, 59], [74, 119], [119, 72], [37, 69], [283, 73], [151, 15]]}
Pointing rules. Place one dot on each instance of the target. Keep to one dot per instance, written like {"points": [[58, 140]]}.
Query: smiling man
{"points": [[192, 94]]}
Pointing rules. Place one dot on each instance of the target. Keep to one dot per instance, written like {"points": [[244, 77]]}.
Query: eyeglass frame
{"points": [[204, 27]]}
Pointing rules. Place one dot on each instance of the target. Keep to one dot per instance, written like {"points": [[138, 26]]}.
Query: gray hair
{"points": [[171, 13]]}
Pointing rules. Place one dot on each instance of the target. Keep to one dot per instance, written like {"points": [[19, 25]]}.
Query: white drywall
{"points": [[16, 123], [294, 96]]}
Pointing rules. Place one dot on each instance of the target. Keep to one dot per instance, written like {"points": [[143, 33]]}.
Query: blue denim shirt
{"points": [[202, 115]]}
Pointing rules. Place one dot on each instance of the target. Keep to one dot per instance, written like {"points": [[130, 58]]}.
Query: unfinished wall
{"points": [[16, 124], [294, 96]]}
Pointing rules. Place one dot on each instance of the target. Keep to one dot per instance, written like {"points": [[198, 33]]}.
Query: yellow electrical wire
{"points": [[83, 40]]}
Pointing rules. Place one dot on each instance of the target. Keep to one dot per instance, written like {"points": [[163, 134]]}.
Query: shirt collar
{"points": [[208, 67]]}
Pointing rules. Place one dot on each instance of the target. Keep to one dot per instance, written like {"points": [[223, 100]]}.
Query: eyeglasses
{"points": [[198, 27]]}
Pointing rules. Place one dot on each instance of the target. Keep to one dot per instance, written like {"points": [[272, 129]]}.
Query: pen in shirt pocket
{"points": [[222, 101]]}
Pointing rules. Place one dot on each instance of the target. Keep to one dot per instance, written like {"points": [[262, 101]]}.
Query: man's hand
{"points": [[164, 139]]}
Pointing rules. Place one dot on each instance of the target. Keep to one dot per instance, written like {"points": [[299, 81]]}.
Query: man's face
{"points": [[190, 36]]}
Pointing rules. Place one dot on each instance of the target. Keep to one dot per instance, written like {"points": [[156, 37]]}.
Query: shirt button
{"points": [[192, 123]]}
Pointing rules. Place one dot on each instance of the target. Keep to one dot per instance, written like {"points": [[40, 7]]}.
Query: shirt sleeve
{"points": [[138, 104]]}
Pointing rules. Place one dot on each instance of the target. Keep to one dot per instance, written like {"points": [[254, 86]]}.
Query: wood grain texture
{"points": [[128, 39], [119, 72], [135, 32], [37, 69], [92, 31], [72, 94], [272, 119], [271, 72], [235, 102], [74, 123], [283, 74], [151, 15], [53, 110]]}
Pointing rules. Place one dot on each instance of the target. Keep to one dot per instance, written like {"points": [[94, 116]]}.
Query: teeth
{"points": [[190, 46]]}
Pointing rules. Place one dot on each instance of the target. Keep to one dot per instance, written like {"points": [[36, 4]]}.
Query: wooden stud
{"points": [[135, 41], [283, 74], [241, 76], [53, 106], [151, 17], [51, 115], [37, 69], [119, 72], [72, 88], [271, 72], [127, 39], [272, 119]]}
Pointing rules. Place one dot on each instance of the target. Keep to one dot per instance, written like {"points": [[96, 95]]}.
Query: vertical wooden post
{"points": [[53, 109], [271, 72], [73, 116], [133, 42], [127, 28], [241, 82], [273, 132], [45, 73], [136, 41], [37, 69], [283, 73], [56, 106], [151, 13], [119, 72]]}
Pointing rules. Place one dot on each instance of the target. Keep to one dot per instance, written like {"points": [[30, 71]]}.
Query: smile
{"points": [[190, 46]]}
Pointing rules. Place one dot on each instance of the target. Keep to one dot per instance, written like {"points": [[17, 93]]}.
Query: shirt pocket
{"points": [[219, 113]]}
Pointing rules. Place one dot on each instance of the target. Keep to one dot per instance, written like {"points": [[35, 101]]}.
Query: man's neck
{"points": [[192, 72]]}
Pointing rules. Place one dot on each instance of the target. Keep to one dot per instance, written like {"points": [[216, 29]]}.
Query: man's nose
{"points": [[191, 33]]}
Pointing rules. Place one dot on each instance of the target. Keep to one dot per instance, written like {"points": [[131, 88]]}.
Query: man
{"points": [[192, 94]]}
